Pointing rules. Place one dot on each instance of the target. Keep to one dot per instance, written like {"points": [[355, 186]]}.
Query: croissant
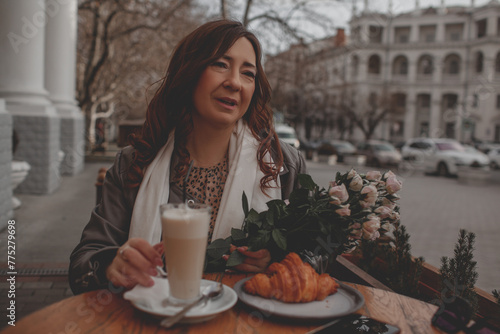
{"points": [[291, 281]]}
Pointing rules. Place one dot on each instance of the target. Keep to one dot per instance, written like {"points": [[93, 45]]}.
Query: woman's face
{"points": [[226, 87]]}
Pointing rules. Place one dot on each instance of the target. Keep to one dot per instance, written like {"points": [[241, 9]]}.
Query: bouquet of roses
{"points": [[316, 221]]}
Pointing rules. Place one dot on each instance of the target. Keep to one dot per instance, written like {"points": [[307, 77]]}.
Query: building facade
{"points": [[37, 95], [432, 72]]}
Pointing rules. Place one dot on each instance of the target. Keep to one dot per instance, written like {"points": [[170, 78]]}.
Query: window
{"points": [[424, 129], [481, 28], [450, 101], [424, 101], [425, 65], [400, 65], [374, 64], [402, 34], [451, 64], [355, 66], [375, 34], [479, 62], [498, 101], [475, 100], [427, 33], [454, 31], [454, 36], [450, 130]]}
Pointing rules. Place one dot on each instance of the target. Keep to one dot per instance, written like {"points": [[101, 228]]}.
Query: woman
{"points": [[212, 109]]}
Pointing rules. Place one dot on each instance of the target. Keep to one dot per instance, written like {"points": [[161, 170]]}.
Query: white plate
{"points": [[150, 300], [345, 301]]}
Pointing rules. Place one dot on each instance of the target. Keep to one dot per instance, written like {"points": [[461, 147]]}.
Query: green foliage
{"points": [[458, 274], [399, 271]]}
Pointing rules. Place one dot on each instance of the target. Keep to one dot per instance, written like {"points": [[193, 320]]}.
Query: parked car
{"points": [[494, 156], [379, 153], [340, 148], [287, 134], [486, 146], [442, 156]]}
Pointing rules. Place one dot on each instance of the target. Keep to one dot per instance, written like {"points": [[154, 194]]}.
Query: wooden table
{"points": [[104, 312]]}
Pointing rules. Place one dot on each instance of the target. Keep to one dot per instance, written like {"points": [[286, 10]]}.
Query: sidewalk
{"points": [[47, 227]]}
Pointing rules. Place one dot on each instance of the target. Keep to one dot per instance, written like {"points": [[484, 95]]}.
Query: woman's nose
{"points": [[233, 81]]}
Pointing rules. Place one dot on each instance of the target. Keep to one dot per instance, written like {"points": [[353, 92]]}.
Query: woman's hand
{"points": [[255, 262], [135, 263]]}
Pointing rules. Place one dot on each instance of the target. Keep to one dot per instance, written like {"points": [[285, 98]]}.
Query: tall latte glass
{"points": [[185, 232]]}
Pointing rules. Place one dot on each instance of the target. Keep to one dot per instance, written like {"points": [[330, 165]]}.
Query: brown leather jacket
{"points": [[109, 223]]}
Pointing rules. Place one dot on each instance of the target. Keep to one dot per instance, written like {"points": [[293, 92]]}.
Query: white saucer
{"points": [[150, 300]]}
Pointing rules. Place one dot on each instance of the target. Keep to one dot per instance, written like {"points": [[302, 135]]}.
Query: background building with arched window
{"points": [[429, 72]]}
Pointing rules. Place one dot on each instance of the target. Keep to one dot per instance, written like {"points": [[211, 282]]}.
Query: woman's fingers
{"points": [[146, 250], [254, 261], [135, 263], [128, 277], [135, 258]]}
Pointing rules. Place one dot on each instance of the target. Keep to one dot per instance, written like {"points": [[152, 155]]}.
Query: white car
{"points": [[442, 156], [494, 156], [287, 134]]}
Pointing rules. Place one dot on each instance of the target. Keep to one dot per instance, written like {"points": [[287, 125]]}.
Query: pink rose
{"points": [[369, 195], [344, 211], [388, 203], [356, 183], [338, 194], [351, 174], [383, 211], [388, 174], [393, 185], [371, 227], [373, 175]]}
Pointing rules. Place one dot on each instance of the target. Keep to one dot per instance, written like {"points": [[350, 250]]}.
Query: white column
{"points": [[60, 71], [440, 32], [410, 115], [435, 127], [22, 27], [5, 165]]}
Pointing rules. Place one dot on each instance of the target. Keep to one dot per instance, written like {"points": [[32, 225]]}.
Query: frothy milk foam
{"points": [[185, 233]]}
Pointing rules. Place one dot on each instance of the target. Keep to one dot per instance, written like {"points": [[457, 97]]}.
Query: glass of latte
{"points": [[185, 232]]}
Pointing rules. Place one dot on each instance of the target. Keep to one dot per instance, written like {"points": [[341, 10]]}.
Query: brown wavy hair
{"points": [[172, 105]]}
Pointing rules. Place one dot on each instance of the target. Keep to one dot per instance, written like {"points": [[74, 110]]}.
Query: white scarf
{"points": [[244, 176]]}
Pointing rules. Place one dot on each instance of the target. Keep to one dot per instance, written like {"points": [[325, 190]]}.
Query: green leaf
{"points": [[299, 197], [244, 202], [307, 182], [270, 217], [259, 241], [253, 216], [218, 247], [279, 238], [237, 234], [235, 259]]}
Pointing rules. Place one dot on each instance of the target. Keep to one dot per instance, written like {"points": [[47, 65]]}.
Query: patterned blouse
{"points": [[207, 185]]}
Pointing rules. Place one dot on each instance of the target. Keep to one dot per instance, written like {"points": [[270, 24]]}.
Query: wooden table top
{"points": [[103, 312]]}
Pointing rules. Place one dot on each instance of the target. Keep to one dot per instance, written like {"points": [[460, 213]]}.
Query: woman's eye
{"points": [[219, 64], [250, 74]]}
